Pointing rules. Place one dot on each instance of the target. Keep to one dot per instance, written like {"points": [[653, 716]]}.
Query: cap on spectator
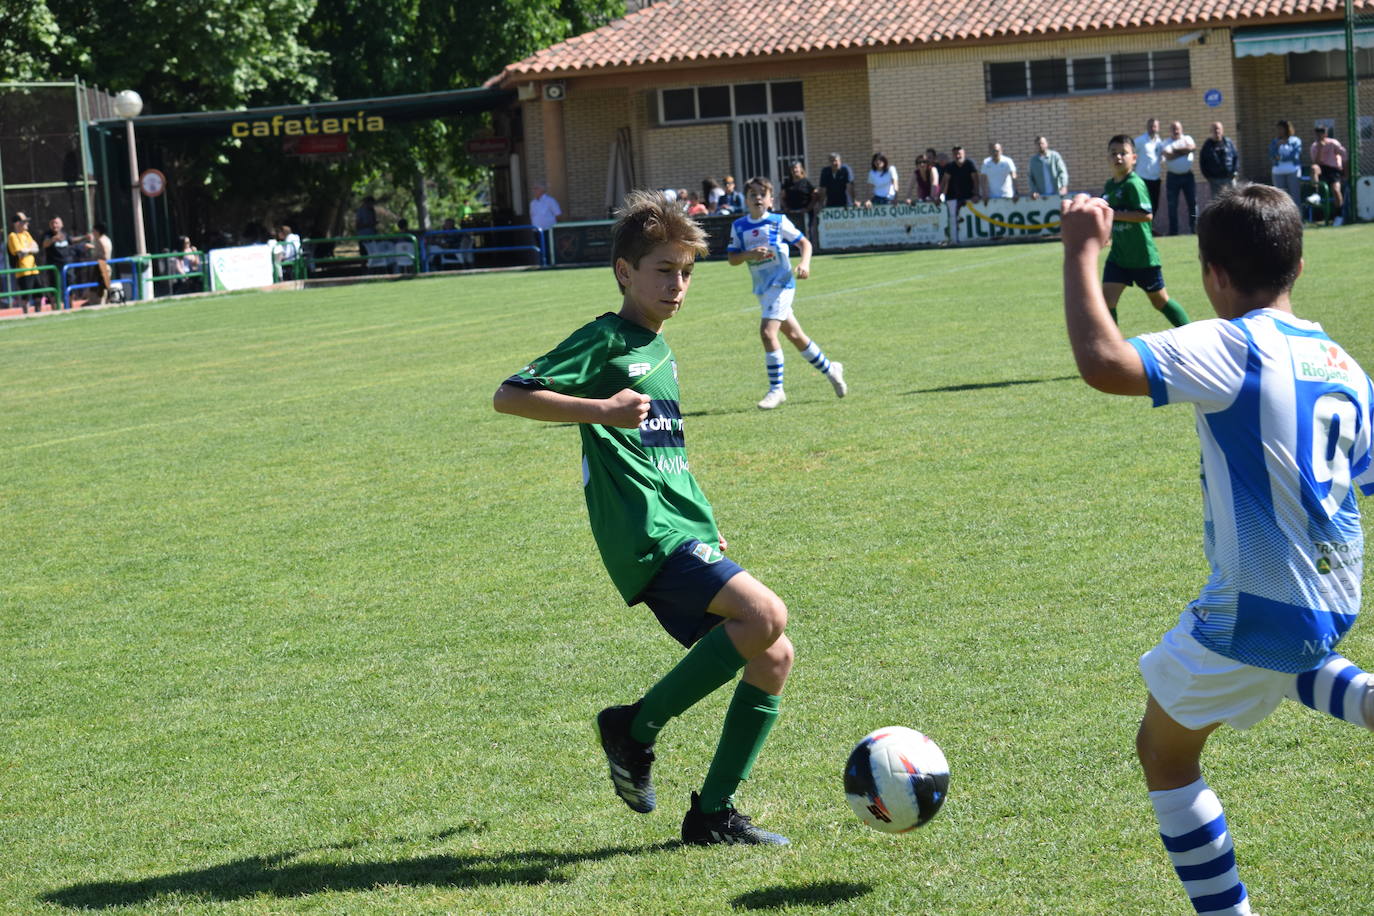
{"points": [[20, 217], [1321, 129]]}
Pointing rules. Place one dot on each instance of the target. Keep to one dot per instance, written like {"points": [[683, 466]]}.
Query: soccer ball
{"points": [[896, 779]]}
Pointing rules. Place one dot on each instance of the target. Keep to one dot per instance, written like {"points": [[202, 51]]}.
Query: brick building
{"points": [[696, 88]]}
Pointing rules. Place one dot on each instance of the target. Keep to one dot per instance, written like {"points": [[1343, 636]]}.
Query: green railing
{"points": [[54, 293], [410, 250], [157, 278]]}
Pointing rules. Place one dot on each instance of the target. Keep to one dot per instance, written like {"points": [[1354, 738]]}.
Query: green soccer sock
{"points": [[1175, 313], [713, 661], [747, 724]]}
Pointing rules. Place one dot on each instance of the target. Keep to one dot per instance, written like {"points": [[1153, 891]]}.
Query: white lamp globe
{"points": [[127, 104]]}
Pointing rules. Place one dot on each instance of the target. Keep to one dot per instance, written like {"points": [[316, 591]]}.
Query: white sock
{"points": [[1193, 828]]}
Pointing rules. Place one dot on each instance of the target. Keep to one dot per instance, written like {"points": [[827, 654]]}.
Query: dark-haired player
{"points": [[1132, 258], [1283, 413]]}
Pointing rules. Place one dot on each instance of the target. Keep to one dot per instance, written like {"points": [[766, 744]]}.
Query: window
{"points": [[1316, 66], [1055, 76], [1089, 74], [721, 103]]}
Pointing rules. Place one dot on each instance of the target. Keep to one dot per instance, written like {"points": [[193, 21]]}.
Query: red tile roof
{"points": [[678, 31]]}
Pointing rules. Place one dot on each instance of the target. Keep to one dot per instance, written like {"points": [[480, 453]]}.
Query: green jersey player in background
{"points": [[616, 377], [1132, 258]]}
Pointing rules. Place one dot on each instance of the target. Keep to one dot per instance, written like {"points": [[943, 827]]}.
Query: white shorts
{"points": [[777, 302], [1197, 687]]}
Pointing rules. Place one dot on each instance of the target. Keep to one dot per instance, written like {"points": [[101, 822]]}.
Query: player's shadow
{"points": [[280, 875], [823, 893], [976, 386]]}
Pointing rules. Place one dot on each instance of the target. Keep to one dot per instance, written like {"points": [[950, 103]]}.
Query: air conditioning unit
{"points": [[527, 92], [555, 91]]}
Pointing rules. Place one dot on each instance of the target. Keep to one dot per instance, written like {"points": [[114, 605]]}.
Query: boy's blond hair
{"points": [[647, 220]]}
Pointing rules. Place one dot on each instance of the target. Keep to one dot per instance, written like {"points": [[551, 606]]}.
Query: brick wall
{"points": [[938, 98]]}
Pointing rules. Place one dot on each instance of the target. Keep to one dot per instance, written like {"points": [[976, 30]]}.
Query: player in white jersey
{"points": [[1283, 413], [761, 240]]}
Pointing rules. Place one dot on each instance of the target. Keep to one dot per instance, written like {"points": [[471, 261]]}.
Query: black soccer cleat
{"points": [[630, 760], [725, 826]]}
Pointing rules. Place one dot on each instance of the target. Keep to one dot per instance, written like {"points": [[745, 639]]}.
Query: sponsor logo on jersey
{"points": [[1320, 361], [635, 370], [662, 428]]}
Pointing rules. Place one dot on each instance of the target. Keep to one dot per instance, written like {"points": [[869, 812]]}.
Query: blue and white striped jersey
{"points": [[1283, 413], [774, 231]]}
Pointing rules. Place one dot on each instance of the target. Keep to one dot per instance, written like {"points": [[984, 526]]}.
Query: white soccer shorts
{"points": [[777, 303], [1197, 687]]}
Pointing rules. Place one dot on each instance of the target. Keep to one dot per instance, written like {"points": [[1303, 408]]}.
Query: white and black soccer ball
{"points": [[896, 779]]}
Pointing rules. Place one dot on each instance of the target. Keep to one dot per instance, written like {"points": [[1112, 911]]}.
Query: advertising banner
{"points": [[241, 268], [989, 220], [890, 224]]}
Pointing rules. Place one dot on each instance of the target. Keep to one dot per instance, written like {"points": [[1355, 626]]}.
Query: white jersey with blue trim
{"points": [[774, 231], [1283, 413]]}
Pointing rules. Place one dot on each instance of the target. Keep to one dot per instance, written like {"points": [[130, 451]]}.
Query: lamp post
{"points": [[127, 105]]}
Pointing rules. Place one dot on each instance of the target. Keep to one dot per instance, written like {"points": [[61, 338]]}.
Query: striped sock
{"points": [[1193, 828], [1338, 687], [773, 360], [815, 357]]}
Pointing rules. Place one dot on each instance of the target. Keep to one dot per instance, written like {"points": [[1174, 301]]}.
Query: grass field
{"points": [[293, 622]]}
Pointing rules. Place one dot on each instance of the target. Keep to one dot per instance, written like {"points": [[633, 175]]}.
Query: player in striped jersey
{"points": [[1283, 414], [761, 240]]}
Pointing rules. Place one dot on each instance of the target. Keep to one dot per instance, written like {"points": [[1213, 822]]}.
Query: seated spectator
{"points": [[288, 250], [188, 262], [1318, 201], [711, 193], [694, 205], [731, 200]]}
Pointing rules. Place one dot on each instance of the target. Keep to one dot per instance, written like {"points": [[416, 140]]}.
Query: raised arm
{"points": [[1105, 360], [626, 408]]}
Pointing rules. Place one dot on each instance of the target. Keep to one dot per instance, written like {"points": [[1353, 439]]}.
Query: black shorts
{"points": [[1149, 279], [686, 584]]}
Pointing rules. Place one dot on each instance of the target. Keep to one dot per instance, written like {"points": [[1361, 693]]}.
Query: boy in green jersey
{"points": [[617, 379], [1132, 258]]}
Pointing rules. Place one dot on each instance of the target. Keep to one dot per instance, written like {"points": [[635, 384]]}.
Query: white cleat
{"points": [[773, 398], [836, 376]]}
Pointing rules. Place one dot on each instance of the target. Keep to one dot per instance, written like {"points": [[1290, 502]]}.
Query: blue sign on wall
{"points": [[1212, 97]]}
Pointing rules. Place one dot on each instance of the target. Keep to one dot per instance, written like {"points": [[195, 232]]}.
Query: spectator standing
{"points": [[1328, 153], [958, 186], [102, 249], [998, 175], [23, 251], [1149, 160], [799, 198], [925, 183], [544, 213], [1178, 156], [731, 200], [1048, 174], [60, 248], [1218, 160], [1285, 158], [883, 177], [836, 181]]}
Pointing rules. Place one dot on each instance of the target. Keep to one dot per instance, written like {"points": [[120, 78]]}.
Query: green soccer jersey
{"points": [[641, 497], [1133, 244]]}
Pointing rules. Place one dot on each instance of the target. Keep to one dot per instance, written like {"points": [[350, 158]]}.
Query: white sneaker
{"points": [[773, 398], [836, 376]]}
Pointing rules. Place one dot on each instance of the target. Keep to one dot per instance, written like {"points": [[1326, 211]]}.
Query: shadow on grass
{"points": [[279, 875], [975, 386], [824, 893]]}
